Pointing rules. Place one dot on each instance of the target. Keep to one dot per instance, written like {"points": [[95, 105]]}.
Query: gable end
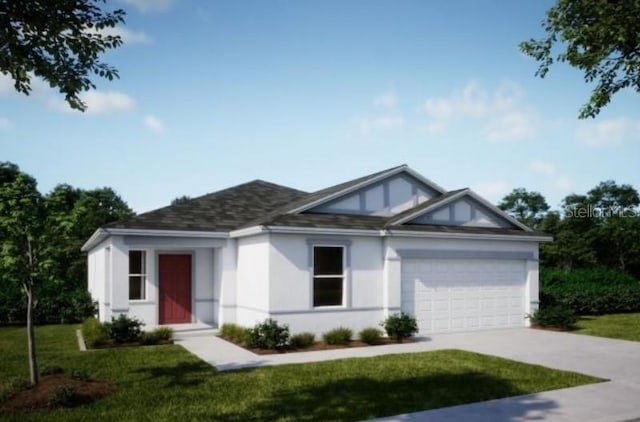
{"points": [[386, 197]]}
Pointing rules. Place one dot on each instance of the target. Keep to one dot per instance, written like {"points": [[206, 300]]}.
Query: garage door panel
{"points": [[458, 295]]}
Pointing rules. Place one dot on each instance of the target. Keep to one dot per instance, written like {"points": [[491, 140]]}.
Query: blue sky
{"points": [[313, 93]]}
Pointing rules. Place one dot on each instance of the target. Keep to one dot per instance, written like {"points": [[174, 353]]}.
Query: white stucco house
{"points": [[347, 255]]}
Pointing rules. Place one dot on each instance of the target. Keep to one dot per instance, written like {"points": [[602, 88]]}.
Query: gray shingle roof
{"points": [[260, 203], [223, 210]]}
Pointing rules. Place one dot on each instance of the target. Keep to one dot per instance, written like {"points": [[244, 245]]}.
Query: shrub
{"points": [[158, 335], [556, 316], [302, 340], [80, 375], [51, 370], [94, 333], [590, 291], [8, 389], [370, 336], [400, 326], [124, 329], [268, 335], [62, 395], [340, 335], [234, 333]]}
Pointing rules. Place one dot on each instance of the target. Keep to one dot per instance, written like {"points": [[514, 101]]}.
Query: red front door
{"points": [[175, 289]]}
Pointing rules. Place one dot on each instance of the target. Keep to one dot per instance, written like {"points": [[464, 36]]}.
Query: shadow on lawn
{"points": [[184, 374], [366, 398]]}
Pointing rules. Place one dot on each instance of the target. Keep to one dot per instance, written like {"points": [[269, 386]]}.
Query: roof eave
{"points": [[103, 233]]}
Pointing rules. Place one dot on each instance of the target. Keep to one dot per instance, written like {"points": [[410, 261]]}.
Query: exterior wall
{"points": [[109, 276], [252, 278], [98, 277], [291, 283]]}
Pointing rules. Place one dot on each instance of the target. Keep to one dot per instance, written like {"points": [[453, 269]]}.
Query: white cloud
{"points": [[387, 100], [603, 133], [492, 190], [501, 112], [154, 124], [511, 126], [127, 36], [556, 180], [99, 102], [146, 6], [381, 123], [5, 123], [542, 167]]}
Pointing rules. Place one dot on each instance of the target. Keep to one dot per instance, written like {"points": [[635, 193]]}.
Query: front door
{"points": [[175, 288]]}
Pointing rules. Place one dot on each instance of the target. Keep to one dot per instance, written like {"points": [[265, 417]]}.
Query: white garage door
{"points": [[464, 294]]}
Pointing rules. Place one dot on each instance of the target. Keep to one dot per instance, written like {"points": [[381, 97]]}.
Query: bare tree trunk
{"points": [[31, 338]]}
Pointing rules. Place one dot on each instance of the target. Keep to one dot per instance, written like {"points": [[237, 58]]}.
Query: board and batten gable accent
{"points": [[384, 198], [465, 211]]}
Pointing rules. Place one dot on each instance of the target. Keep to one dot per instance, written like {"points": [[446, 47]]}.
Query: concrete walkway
{"points": [[617, 360]]}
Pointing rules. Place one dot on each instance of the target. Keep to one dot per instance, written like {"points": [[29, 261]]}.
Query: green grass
{"points": [[620, 326], [166, 382]]}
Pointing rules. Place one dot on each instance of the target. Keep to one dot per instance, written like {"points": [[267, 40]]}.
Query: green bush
{"points": [[556, 316], [302, 340], [94, 333], [340, 335], [51, 370], [9, 388], [370, 336], [80, 375], [55, 305], [590, 292], [268, 335], [400, 326], [234, 333], [62, 395], [124, 329], [157, 336]]}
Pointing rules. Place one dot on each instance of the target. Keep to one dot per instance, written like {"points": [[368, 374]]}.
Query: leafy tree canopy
{"points": [[59, 41], [528, 207], [181, 200], [599, 37]]}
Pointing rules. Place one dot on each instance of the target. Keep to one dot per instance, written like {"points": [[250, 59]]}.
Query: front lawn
{"points": [[620, 326], [167, 382]]}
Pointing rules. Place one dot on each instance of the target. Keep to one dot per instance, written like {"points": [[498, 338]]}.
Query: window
{"points": [[137, 275], [328, 275]]}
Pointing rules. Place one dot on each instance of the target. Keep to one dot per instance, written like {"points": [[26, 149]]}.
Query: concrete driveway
{"points": [[617, 360]]}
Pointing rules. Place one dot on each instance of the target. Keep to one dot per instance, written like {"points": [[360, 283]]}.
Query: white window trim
{"points": [[144, 275], [346, 271]]}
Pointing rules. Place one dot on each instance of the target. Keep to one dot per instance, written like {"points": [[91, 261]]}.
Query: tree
{"points": [[59, 41], [528, 207], [21, 217], [180, 200], [599, 37]]}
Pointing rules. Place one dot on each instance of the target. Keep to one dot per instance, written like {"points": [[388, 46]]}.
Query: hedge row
{"points": [[61, 307], [590, 292]]}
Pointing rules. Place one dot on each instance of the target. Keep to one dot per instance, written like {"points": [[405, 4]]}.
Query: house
{"points": [[347, 255]]}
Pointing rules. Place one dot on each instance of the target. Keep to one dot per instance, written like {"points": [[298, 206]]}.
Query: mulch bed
{"points": [[37, 398], [320, 345]]}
